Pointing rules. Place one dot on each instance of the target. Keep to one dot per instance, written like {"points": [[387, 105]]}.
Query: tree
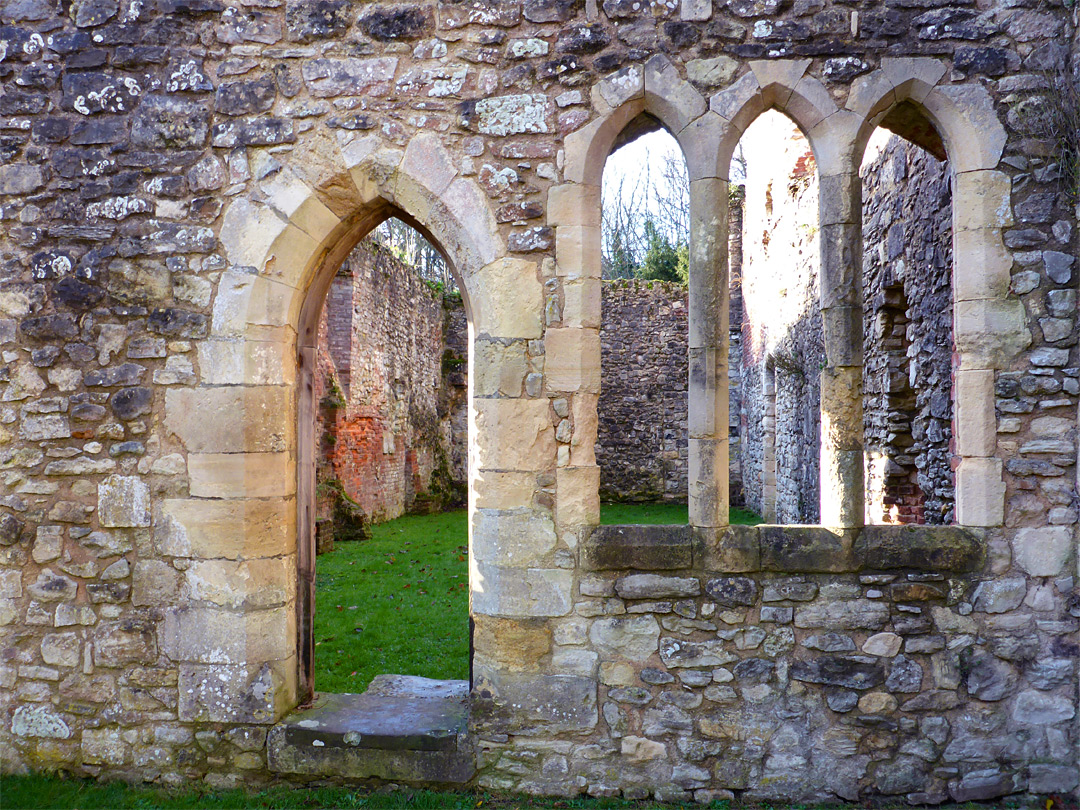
{"points": [[645, 227]]}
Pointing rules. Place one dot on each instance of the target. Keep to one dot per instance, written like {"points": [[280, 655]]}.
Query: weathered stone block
{"points": [[524, 592], [230, 419], [1044, 551], [123, 501], [519, 538], [654, 586], [794, 549], [533, 705], [230, 529], [221, 692], [240, 475], [124, 642], [929, 548], [634, 638], [646, 548]]}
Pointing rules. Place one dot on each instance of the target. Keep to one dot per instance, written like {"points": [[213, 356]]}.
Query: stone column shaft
{"points": [[842, 486]]}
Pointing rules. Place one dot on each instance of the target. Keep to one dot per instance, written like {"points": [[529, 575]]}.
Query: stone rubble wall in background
{"points": [[907, 317], [394, 441]]}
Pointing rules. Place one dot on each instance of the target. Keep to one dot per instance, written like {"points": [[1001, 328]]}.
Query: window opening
{"points": [[782, 345], [391, 585], [907, 314], [642, 435]]}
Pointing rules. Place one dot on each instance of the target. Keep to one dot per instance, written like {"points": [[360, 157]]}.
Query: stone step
{"points": [[402, 729]]}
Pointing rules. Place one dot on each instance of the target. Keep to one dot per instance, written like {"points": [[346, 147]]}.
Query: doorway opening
{"points": [[388, 428]]}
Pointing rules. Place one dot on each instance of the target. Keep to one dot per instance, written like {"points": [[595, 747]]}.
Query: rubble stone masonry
{"points": [[180, 181]]}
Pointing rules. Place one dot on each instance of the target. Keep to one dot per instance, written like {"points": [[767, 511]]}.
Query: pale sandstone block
{"points": [[967, 121], [739, 103], [273, 303], [247, 232], [708, 143], [242, 693], [499, 367], [583, 409], [230, 529], [624, 84], [842, 330], [671, 98], [428, 161], [574, 204], [982, 199], [372, 170], [708, 295], [976, 423], [871, 94], [298, 203], [240, 475], [577, 496], [809, 104], [708, 482], [216, 636], [123, 501], [103, 746], [503, 490], [572, 360], [291, 258], [508, 301], [708, 374], [513, 434], [837, 144], [842, 407], [581, 302], [509, 644], [842, 487], [231, 304], [577, 251], [1044, 551], [982, 267], [246, 362], [231, 419], [840, 199], [980, 492], [990, 333], [468, 225], [519, 538], [913, 77], [695, 10], [524, 592], [841, 265], [245, 584]]}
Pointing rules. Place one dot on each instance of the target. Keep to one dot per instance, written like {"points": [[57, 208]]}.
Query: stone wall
{"points": [[393, 422], [641, 440], [181, 181], [907, 290]]}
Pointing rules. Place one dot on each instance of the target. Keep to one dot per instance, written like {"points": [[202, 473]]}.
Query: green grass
{"points": [[662, 514], [399, 602], [53, 793]]}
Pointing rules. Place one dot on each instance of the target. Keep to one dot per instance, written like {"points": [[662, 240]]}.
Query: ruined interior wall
{"points": [[781, 319], [395, 441], [908, 344], [641, 441]]}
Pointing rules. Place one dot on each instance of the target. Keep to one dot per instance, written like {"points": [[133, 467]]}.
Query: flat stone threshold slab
{"points": [[403, 728]]}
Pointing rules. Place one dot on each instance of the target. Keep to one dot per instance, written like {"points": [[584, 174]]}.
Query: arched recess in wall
{"points": [[989, 327], [643, 95], [285, 248]]}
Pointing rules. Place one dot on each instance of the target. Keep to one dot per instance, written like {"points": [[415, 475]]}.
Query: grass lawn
{"points": [[654, 514], [54, 793], [399, 603]]}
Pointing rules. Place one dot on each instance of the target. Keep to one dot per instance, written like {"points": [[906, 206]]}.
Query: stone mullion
{"points": [[708, 329], [842, 463]]}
